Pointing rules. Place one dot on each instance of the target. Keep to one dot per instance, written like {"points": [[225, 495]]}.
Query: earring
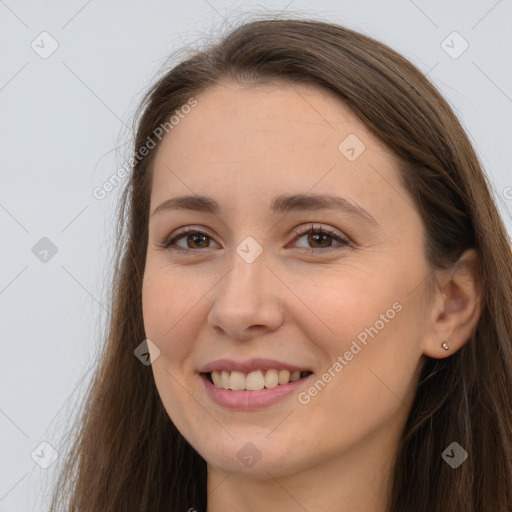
{"points": [[445, 346]]}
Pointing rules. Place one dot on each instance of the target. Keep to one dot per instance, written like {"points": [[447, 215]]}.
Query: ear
{"points": [[456, 307]]}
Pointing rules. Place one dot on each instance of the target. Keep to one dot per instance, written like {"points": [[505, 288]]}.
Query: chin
{"points": [[253, 456]]}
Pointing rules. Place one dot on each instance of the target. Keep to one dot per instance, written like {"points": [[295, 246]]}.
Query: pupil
{"points": [[195, 237], [318, 235]]}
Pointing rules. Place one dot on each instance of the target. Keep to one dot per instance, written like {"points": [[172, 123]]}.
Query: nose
{"points": [[247, 301]]}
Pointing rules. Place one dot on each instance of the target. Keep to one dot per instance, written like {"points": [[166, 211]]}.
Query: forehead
{"points": [[263, 140], [275, 113]]}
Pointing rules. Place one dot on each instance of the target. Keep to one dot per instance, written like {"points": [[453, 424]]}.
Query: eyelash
{"points": [[319, 230]]}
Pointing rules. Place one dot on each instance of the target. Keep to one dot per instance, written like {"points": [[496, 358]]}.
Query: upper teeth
{"points": [[254, 381]]}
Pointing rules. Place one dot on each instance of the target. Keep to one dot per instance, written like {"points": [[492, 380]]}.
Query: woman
{"points": [[313, 302]]}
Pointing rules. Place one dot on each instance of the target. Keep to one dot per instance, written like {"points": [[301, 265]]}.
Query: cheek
{"points": [[167, 314], [372, 323], [342, 304], [167, 308]]}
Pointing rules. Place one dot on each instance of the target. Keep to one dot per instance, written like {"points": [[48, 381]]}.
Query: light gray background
{"points": [[63, 117]]}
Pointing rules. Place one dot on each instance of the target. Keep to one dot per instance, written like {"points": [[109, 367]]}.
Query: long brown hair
{"points": [[128, 456]]}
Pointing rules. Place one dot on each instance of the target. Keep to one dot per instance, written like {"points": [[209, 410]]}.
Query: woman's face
{"points": [[258, 296]]}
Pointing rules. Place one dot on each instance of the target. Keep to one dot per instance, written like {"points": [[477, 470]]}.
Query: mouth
{"points": [[257, 380]]}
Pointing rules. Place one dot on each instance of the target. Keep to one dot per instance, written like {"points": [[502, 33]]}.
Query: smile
{"points": [[252, 384]]}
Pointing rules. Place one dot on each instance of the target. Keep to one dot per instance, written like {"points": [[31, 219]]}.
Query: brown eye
{"points": [[197, 239], [319, 239], [194, 240]]}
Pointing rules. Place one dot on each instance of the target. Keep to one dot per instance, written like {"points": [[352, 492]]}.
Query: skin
{"points": [[242, 146]]}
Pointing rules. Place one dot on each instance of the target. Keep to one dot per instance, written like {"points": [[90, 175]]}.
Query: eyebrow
{"points": [[280, 204]]}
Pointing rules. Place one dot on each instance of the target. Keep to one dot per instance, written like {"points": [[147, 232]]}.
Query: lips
{"points": [[246, 399]]}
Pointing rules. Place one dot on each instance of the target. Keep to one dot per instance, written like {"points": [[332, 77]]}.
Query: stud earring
{"points": [[445, 346]]}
